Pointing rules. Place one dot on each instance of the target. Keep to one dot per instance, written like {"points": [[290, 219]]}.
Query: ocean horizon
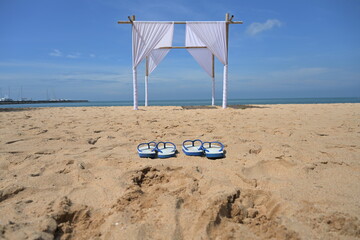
{"points": [[197, 102]]}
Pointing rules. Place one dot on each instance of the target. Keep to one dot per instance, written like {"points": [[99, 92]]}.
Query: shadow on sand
{"points": [[198, 107], [216, 107], [245, 106]]}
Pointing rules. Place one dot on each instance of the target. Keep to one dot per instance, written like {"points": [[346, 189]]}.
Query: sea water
{"points": [[191, 102]]}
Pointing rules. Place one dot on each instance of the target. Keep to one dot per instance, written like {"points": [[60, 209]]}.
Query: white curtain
{"points": [[157, 55], [213, 36], [145, 37], [202, 55], [209, 34]]}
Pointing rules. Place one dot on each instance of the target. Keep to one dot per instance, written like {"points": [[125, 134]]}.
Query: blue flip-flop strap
{"points": [[171, 144], [186, 142], [148, 144], [157, 146], [193, 143], [201, 143], [140, 145], [203, 147], [221, 146], [154, 149]]}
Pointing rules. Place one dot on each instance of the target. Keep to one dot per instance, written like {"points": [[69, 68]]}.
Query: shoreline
{"points": [[195, 102], [40, 101], [184, 107]]}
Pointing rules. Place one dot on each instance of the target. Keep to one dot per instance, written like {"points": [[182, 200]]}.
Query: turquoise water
{"points": [[192, 102]]}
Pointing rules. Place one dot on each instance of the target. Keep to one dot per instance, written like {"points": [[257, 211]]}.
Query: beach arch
{"points": [[205, 40]]}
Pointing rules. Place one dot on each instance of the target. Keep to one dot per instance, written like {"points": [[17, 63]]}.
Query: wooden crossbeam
{"points": [[180, 47], [228, 20]]}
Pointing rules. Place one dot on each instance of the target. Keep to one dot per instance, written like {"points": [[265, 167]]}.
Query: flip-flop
{"points": [[166, 151], [190, 149], [147, 150], [214, 149]]}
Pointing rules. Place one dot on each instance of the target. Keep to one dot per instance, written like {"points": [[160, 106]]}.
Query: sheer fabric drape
{"points": [[146, 36], [209, 34], [157, 55], [213, 36]]}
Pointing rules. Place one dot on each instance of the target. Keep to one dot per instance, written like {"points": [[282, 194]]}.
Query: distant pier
{"points": [[41, 101]]}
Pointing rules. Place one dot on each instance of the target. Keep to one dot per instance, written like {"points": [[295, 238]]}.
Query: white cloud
{"points": [[74, 55], [56, 53], [256, 28]]}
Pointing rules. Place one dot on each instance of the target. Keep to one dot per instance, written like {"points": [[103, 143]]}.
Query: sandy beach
{"points": [[290, 172]]}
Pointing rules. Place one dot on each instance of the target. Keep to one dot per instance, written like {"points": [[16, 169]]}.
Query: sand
{"points": [[290, 172]]}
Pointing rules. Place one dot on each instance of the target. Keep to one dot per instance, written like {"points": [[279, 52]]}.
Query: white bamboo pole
{"points": [[146, 81], [135, 88], [213, 81], [213, 92], [225, 77], [146, 91], [225, 83], [135, 85]]}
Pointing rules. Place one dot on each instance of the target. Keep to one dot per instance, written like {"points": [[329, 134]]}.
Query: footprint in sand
{"points": [[272, 168], [15, 141], [42, 131], [162, 195], [255, 149], [92, 141], [10, 191]]}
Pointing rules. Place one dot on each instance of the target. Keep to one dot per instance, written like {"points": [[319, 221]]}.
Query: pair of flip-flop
{"points": [[153, 149], [198, 148], [190, 147]]}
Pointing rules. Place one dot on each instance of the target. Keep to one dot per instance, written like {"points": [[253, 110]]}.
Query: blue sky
{"points": [[75, 49]]}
